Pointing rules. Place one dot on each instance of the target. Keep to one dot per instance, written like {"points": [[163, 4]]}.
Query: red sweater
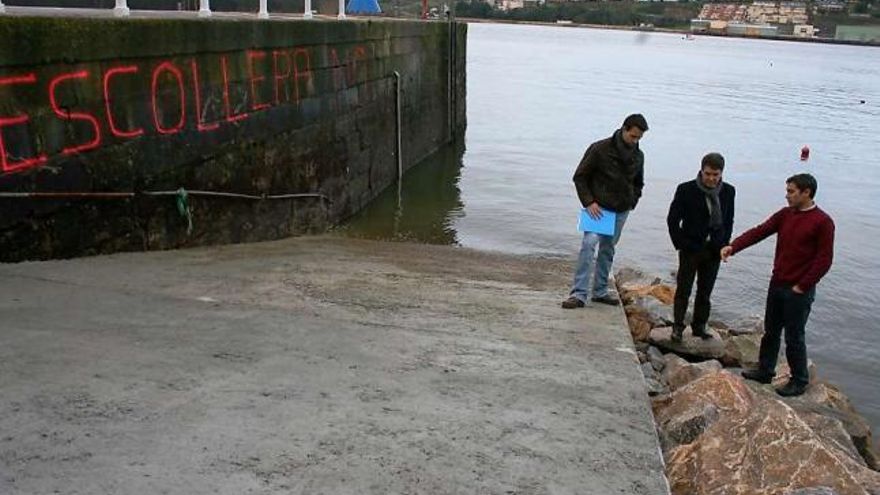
{"points": [[804, 248]]}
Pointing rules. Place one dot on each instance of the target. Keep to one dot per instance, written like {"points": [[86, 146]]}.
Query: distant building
{"points": [[762, 12], [858, 33], [709, 26], [509, 4], [700, 25], [830, 5], [744, 29], [804, 31], [723, 12]]}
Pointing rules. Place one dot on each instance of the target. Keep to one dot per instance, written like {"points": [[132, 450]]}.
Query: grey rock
{"points": [[658, 361], [818, 490], [718, 324], [747, 325], [742, 350], [690, 346], [655, 387], [628, 275], [648, 371], [679, 372], [660, 314]]}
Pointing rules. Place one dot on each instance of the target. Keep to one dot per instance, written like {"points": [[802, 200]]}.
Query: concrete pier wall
{"points": [[137, 107]]}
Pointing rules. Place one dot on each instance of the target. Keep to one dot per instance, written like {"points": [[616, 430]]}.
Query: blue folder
{"points": [[604, 225]]}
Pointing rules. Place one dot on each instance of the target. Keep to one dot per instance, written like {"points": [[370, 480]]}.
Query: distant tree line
{"points": [[660, 14]]}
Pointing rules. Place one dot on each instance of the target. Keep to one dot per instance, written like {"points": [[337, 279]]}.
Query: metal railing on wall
{"points": [[121, 9], [262, 13]]}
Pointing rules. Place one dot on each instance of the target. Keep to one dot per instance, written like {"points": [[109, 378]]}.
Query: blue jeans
{"points": [[789, 311], [605, 258]]}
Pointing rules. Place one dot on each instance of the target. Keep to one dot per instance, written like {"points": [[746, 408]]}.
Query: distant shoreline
{"points": [[828, 41]]}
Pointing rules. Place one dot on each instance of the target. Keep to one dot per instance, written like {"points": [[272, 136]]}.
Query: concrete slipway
{"points": [[316, 365]]}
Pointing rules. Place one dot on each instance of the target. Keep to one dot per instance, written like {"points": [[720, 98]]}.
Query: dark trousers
{"points": [[789, 310], [703, 265]]}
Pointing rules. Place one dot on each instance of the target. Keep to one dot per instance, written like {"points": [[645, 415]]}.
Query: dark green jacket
{"points": [[602, 176]]}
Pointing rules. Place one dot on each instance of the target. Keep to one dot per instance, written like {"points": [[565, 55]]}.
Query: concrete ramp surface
{"points": [[316, 365]]}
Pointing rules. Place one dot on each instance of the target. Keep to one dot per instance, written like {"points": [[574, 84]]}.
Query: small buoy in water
{"points": [[862, 102], [805, 153]]}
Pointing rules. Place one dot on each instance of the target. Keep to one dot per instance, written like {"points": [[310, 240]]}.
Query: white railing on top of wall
{"points": [[121, 9]]}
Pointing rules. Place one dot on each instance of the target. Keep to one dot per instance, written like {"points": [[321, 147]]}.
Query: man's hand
{"points": [[594, 211], [797, 289], [726, 252]]}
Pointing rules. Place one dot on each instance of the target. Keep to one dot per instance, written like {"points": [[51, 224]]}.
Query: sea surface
{"points": [[538, 95]]}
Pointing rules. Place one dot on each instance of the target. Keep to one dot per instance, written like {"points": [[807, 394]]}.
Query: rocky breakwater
{"points": [[721, 434]]}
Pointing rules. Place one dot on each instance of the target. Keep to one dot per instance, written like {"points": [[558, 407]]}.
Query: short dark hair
{"points": [[714, 161], [636, 120], [804, 181]]}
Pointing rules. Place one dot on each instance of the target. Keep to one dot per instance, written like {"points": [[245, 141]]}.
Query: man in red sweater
{"points": [[804, 249]]}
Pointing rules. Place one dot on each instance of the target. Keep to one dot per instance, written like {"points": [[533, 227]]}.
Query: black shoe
{"points": [[701, 333], [572, 303], [676, 335], [606, 299], [791, 389], [757, 376]]}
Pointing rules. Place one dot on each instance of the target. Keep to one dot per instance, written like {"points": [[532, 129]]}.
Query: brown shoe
{"points": [[572, 303]]}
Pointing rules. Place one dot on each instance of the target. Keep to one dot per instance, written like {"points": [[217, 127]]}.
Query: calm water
{"points": [[538, 95]]}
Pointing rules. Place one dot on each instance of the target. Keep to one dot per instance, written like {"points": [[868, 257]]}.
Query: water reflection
{"points": [[425, 207], [538, 95]]}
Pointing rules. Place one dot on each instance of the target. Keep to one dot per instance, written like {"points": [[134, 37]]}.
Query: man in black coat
{"points": [[700, 223]]}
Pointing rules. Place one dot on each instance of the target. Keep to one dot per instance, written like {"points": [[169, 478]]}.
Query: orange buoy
{"points": [[805, 153]]}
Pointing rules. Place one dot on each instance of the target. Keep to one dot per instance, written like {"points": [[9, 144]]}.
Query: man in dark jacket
{"points": [[804, 250], [700, 222], [610, 176]]}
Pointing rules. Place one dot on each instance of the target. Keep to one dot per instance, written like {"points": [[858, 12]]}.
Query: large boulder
{"points": [[747, 325], [647, 302], [626, 277], [658, 313], [711, 386], [689, 346], [640, 323], [828, 400], [631, 283], [678, 372], [741, 350], [664, 294], [830, 430], [755, 445]]}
